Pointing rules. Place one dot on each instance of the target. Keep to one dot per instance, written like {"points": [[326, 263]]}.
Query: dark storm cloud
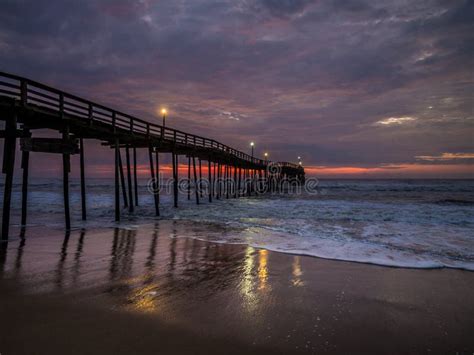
{"points": [[282, 7], [300, 77]]}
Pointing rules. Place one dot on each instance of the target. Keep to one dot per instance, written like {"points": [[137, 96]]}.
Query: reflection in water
{"points": [[62, 260], [123, 247], [20, 249], [172, 263], [19, 253], [246, 285], [247, 279], [150, 261], [3, 256], [143, 299], [254, 284], [144, 270], [297, 272], [77, 257], [262, 268]]}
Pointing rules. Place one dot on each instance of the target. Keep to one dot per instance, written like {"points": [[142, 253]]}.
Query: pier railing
{"points": [[29, 92]]}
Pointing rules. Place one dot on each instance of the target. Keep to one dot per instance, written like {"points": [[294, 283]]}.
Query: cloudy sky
{"points": [[357, 88]]}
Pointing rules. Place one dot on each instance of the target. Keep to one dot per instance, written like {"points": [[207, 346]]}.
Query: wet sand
{"points": [[151, 290]]}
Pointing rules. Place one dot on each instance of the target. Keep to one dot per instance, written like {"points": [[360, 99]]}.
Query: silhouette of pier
{"points": [[27, 105]]}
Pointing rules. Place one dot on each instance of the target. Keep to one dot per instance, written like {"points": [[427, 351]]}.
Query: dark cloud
{"points": [[285, 7], [299, 77]]}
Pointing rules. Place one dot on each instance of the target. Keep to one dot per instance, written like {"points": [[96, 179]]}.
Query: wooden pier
{"points": [[26, 105]]}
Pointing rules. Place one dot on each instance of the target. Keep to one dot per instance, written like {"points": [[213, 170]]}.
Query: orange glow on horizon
{"points": [[407, 170], [394, 171]]}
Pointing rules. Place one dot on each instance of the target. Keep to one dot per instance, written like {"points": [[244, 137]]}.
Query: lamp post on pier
{"points": [[164, 112], [252, 144]]}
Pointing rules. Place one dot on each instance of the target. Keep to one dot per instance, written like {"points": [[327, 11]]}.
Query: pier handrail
{"points": [[28, 91]]}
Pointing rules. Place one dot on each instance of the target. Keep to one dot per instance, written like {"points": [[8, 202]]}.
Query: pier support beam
{"points": [[135, 177], [200, 178], [66, 171], [8, 167], [209, 176], [214, 186], [157, 160], [122, 179], [240, 180], [117, 181], [195, 181], [249, 182], [219, 182], [25, 158], [154, 179], [189, 178], [83, 180], [129, 179], [174, 157], [235, 181], [227, 178]]}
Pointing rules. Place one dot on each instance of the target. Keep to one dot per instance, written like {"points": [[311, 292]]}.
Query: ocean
{"points": [[400, 223]]}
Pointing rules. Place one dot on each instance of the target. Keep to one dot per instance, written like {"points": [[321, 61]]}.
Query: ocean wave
{"points": [[455, 202], [406, 229]]}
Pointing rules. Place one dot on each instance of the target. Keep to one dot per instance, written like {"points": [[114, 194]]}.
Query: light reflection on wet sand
{"points": [[236, 291]]}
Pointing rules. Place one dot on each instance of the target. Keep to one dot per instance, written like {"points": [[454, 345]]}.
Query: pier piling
{"points": [[154, 180], [129, 179], [9, 148], [122, 180], [25, 159], [230, 172], [196, 187], [66, 170], [117, 187], [83, 180], [135, 178]]}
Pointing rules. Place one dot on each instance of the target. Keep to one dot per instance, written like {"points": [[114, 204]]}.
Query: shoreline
{"points": [[149, 226], [180, 293]]}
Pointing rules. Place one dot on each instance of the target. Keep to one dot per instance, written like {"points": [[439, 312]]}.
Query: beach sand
{"points": [[153, 290]]}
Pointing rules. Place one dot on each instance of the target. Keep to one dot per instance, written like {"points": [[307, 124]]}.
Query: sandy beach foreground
{"points": [[152, 290]]}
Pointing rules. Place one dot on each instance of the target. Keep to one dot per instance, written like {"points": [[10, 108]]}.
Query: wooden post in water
{"points": [[25, 158], [122, 180], [117, 181], [259, 180], [200, 178], [219, 185], [195, 181], [157, 160], [209, 176], [227, 178], [66, 170], [235, 181], [252, 180], [135, 177], [223, 171], [129, 179], [8, 168], [265, 176], [83, 180], [154, 180], [214, 186], [240, 179], [174, 156], [189, 178], [249, 182]]}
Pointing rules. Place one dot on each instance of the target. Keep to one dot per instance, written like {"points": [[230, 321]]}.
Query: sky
{"points": [[356, 88]]}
